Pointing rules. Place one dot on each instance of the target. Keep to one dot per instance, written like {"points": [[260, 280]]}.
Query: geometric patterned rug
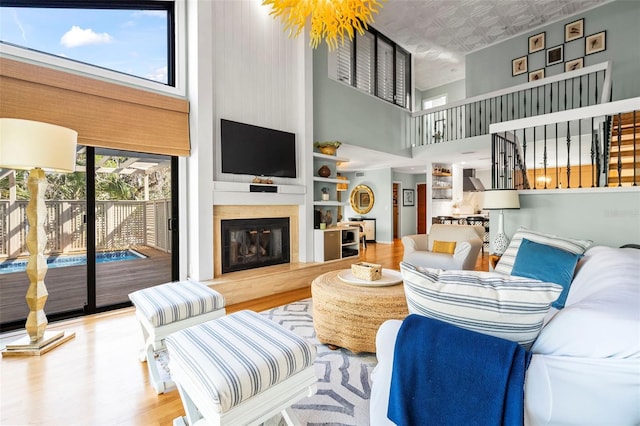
{"points": [[344, 378]]}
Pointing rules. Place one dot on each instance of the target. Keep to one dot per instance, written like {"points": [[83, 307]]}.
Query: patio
{"points": [[67, 286]]}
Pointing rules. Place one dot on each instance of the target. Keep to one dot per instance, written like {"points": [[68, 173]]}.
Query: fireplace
{"points": [[253, 243]]}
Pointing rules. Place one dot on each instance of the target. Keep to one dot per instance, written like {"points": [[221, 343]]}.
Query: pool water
{"points": [[59, 261]]}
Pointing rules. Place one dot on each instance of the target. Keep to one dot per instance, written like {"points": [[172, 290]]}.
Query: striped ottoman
{"points": [[242, 369], [167, 308]]}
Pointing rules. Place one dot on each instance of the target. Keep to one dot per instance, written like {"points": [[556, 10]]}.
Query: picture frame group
{"points": [[573, 31]]}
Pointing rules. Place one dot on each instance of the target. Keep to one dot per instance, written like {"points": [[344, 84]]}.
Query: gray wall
{"points": [[408, 215], [380, 182], [607, 217], [455, 91], [490, 69], [346, 114]]}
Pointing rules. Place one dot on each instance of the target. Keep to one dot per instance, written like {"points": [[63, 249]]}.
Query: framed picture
{"points": [[365, 199], [536, 42], [519, 66], [407, 197], [574, 30], [595, 43], [555, 55], [536, 75], [574, 64]]}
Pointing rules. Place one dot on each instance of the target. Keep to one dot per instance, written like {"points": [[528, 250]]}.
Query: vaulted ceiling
{"points": [[439, 33]]}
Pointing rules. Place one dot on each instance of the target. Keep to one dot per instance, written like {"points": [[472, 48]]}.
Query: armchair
{"points": [[418, 249]]}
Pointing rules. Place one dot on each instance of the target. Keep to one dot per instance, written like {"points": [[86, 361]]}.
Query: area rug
{"points": [[344, 378]]}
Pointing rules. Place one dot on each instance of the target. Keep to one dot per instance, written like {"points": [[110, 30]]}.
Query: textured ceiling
{"points": [[440, 32]]}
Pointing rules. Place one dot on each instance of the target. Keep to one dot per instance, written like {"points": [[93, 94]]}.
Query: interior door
{"points": [[422, 208]]}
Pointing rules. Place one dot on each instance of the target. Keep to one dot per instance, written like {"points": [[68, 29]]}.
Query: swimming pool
{"points": [[59, 261]]}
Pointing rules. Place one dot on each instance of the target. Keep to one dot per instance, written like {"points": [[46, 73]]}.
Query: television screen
{"points": [[257, 151]]}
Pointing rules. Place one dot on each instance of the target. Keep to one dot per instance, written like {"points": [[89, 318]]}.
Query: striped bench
{"points": [[242, 369], [167, 308]]}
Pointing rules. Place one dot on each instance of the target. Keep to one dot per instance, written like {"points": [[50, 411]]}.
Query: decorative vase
{"points": [[324, 171], [325, 197]]}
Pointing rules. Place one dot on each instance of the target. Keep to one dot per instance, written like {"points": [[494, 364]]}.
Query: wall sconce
{"points": [[341, 186]]}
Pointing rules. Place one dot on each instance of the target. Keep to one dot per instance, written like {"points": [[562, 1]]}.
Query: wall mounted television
{"points": [[258, 151]]}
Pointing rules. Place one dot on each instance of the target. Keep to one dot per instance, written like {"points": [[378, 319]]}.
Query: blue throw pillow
{"points": [[546, 263]]}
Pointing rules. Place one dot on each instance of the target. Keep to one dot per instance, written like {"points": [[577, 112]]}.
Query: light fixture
{"points": [[330, 19], [501, 199], [341, 186], [36, 146]]}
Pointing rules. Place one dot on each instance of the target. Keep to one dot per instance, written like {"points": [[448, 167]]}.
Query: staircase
{"points": [[624, 151]]}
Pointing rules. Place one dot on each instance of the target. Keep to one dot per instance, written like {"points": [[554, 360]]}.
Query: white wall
{"points": [[241, 66]]}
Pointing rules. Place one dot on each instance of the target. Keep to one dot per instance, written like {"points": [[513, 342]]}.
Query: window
{"points": [[130, 37], [376, 65]]}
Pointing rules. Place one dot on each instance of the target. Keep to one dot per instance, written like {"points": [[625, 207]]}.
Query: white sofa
{"points": [[418, 248], [585, 368]]}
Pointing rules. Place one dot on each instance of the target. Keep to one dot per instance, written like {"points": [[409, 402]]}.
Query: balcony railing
{"points": [[119, 225], [473, 116]]}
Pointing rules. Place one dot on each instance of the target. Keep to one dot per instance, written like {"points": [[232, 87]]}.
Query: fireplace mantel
{"points": [[239, 193]]}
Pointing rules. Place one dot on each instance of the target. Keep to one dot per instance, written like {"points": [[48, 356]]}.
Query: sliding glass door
{"points": [[109, 230], [133, 216]]}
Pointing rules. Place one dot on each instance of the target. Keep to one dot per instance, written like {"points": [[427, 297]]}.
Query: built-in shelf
{"points": [[329, 203], [329, 180], [330, 157]]}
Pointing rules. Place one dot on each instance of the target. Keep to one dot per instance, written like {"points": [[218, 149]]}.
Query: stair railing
{"points": [[560, 150]]}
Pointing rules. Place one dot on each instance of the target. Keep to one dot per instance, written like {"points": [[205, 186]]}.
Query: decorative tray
{"points": [[389, 277]]}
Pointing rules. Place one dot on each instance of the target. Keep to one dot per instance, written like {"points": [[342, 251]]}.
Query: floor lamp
{"points": [[36, 146], [500, 199]]}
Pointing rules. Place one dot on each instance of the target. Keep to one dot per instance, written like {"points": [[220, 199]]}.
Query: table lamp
{"points": [[501, 199], [38, 147]]}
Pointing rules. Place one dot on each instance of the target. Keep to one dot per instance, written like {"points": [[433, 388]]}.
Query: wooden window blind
{"points": [[105, 114]]}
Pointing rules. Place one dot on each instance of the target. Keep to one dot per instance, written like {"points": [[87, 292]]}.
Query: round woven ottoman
{"points": [[348, 316]]}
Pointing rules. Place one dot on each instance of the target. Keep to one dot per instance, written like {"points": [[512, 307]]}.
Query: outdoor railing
{"points": [[568, 149], [473, 116], [119, 225]]}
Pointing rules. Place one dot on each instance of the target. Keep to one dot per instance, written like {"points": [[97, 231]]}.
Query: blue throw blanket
{"points": [[446, 375]]}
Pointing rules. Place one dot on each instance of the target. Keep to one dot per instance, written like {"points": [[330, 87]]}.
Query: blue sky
{"points": [[129, 41]]}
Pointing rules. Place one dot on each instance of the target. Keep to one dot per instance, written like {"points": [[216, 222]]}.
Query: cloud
{"points": [[18, 23], [159, 74], [76, 36]]}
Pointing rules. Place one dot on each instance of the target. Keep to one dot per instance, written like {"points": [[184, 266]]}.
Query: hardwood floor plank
{"points": [[96, 378]]}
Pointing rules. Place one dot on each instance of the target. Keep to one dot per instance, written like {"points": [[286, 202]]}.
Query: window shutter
{"points": [[343, 61], [365, 48], [401, 77], [385, 70]]}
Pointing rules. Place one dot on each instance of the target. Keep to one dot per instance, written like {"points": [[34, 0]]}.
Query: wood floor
{"points": [[96, 379]]}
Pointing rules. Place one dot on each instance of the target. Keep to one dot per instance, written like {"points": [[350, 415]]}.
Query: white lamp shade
{"points": [[499, 199], [26, 144]]}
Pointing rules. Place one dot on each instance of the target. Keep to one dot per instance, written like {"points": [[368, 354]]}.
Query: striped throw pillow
{"points": [[504, 306], [505, 265]]}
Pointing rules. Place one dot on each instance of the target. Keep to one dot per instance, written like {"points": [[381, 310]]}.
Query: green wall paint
{"points": [[346, 114], [490, 69], [607, 217]]}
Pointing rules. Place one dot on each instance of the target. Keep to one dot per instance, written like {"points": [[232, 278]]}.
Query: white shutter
{"points": [[385, 70], [365, 49]]}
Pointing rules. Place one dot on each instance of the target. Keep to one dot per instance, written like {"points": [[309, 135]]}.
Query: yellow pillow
{"points": [[444, 246]]}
